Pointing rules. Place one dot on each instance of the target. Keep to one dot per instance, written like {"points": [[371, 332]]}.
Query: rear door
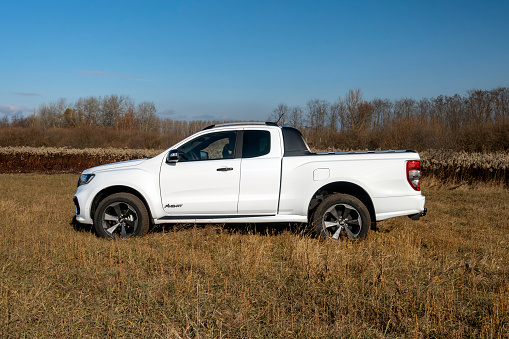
{"points": [[260, 172]]}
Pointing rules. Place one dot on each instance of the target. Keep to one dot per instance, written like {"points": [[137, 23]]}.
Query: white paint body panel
{"points": [[198, 188], [382, 176], [260, 181], [269, 188]]}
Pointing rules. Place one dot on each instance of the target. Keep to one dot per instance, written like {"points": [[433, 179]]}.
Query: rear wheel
{"points": [[121, 215], [341, 216]]}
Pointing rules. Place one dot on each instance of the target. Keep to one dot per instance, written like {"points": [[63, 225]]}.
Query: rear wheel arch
{"points": [[342, 187], [341, 216]]}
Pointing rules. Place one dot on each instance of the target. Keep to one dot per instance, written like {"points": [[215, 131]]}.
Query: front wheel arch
{"points": [[121, 215], [118, 189]]}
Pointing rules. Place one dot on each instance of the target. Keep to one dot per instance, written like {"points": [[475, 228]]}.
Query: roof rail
{"points": [[267, 123]]}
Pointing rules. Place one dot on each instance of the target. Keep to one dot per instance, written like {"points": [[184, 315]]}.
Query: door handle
{"points": [[225, 169]]}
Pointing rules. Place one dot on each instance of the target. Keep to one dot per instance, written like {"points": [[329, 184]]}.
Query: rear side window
{"points": [[294, 142], [255, 144]]}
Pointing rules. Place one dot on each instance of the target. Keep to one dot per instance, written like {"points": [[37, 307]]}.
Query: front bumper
{"points": [[81, 215]]}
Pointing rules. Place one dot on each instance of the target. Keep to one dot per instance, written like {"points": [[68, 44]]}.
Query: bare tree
{"points": [[358, 113], [296, 117], [318, 110], [454, 117], [48, 117], [382, 112], [404, 108], [424, 109], [112, 109], [70, 118], [89, 110], [4, 122], [51, 115], [280, 114], [337, 110], [146, 117]]}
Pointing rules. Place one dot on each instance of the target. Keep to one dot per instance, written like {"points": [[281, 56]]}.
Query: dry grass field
{"points": [[444, 276]]}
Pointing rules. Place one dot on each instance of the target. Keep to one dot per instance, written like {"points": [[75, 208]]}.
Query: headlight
{"points": [[85, 179]]}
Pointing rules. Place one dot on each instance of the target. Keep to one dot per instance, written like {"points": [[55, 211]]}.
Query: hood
{"points": [[115, 165]]}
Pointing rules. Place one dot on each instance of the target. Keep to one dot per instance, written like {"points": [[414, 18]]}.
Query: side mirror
{"points": [[173, 156]]}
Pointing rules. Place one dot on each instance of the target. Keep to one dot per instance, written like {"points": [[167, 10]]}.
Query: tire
{"points": [[121, 215], [341, 216]]}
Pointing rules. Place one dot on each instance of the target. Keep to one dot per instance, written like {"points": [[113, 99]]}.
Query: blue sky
{"points": [[239, 59]]}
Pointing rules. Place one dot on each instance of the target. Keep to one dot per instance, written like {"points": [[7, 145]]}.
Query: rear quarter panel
{"points": [[382, 176]]}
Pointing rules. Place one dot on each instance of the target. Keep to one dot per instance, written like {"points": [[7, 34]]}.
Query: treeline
{"points": [[96, 122], [476, 121]]}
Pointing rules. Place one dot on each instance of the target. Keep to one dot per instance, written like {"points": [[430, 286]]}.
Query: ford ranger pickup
{"points": [[251, 173]]}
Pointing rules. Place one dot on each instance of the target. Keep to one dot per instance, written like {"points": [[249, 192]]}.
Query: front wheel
{"points": [[341, 216], [121, 215]]}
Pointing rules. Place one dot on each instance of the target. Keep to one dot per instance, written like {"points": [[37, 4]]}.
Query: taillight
{"points": [[413, 174]]}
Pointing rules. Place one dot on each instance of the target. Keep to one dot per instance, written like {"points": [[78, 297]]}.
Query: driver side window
{"points": [[220, 145]]}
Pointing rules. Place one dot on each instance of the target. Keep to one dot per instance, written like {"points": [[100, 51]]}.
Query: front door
{"points": [[205, 180]]}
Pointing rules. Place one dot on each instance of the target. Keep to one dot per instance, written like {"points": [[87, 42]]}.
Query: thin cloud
{"points": [[171, 114], [174, 115], [105, 74], [27, 94], [204, 117], [210, 117], [11, 110], [167, 113]]}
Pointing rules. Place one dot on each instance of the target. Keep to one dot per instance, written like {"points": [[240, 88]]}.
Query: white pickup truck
{"points": [[251, 172]]}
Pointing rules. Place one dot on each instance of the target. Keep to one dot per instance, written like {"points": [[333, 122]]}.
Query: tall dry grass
{"points": [[471, 168], [51, 159], [446, 166], [446, 275]]}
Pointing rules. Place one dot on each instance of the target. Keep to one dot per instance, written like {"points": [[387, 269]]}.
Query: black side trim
{"points": [[77, 204], [238, 144], [234, 216], [295, 154], [294, 142], [367, 152]]}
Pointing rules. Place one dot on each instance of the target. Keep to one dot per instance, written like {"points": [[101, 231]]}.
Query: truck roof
{"points": [[294, 143], [267, 123]]}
